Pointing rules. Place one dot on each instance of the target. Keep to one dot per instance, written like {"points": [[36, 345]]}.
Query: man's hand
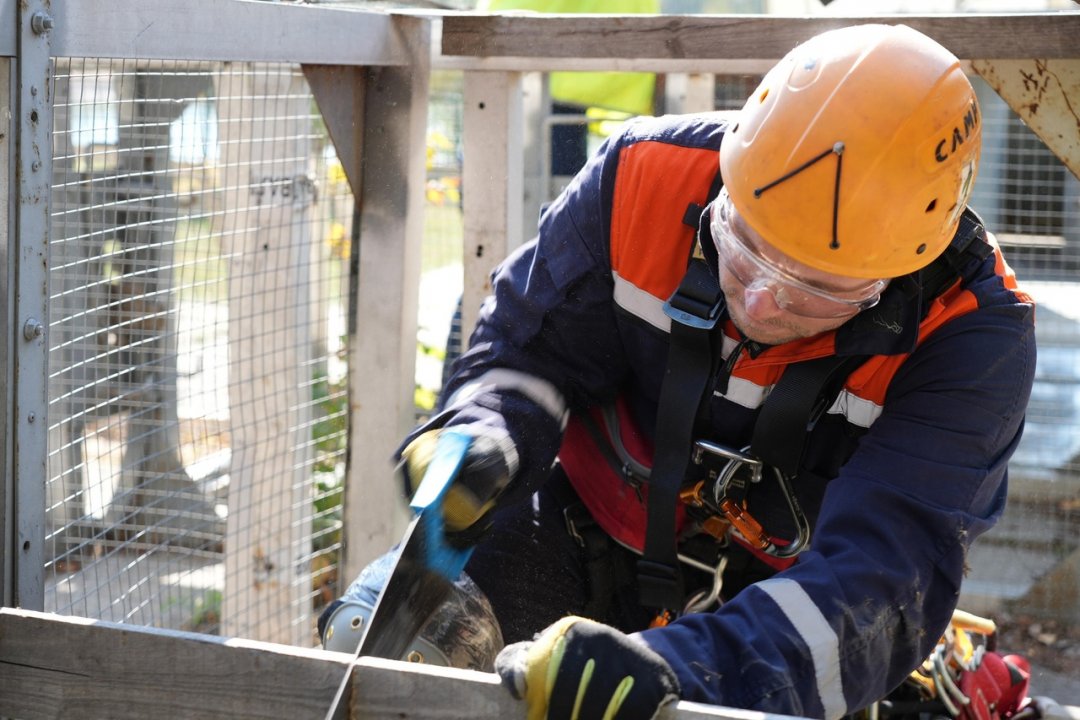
{"points": [[471, 497], [581, 669]]}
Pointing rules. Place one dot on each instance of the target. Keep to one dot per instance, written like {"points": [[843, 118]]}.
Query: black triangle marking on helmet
{"points": [[838, 150]]}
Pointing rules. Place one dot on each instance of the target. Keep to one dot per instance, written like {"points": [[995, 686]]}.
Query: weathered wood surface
{"points": [[701, 37], [1046, 94], [53, 666], [382, 334], [241, 30], [384, 690], [63, 667], [492, 139], [264, 128]]}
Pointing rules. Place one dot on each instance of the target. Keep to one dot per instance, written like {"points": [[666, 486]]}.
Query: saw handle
{"points": [[451, 450]]}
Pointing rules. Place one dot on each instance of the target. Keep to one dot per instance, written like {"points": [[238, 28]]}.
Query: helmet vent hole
{"points": [[735, 129], [921, 249], [764, 94], [932, 205]]}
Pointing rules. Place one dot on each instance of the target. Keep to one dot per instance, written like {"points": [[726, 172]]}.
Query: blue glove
{"points": [[470, 500], [579, 668]]}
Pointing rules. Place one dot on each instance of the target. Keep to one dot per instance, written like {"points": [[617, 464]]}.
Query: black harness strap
{"points": [[694, 309], [803, 393], [807, 389]]}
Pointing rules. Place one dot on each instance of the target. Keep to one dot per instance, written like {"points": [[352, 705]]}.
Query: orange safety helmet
{"points": [[857, 153]]}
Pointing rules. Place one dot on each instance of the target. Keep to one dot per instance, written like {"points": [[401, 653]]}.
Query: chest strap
{"points": [[694, 309], [804, 392]]}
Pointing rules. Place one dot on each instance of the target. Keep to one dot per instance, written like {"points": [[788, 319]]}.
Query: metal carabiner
{"points": [[737, 514], [704, 600]]}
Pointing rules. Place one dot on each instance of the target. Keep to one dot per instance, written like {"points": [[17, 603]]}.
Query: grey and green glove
{"points": [[470, 500], [579, 669]]}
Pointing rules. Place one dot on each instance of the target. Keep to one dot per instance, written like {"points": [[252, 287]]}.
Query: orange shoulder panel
{"points": [[656, 182]]}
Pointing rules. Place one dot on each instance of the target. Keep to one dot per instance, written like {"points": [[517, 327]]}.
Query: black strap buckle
{"points": [[698, 313], [659, 584], [698, 301]]}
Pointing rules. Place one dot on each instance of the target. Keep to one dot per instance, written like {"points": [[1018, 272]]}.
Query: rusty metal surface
{"points": [[1046, 95]]}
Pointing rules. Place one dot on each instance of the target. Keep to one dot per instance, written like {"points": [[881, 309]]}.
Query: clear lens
{"points": [[756, 273]]}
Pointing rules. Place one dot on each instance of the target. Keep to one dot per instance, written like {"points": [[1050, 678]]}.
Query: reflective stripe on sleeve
{"points": [[819, 638], [856, 410], [536, 389], [641, 304]]}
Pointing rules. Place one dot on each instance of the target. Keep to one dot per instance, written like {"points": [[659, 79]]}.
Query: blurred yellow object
{"points": [[335, 172], [621, 91], [339, 241]]}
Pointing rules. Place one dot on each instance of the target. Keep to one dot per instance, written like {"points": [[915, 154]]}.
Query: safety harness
{"points": [[803, 394]]}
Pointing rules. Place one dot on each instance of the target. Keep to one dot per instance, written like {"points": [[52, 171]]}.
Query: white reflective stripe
{"points": [[641, 304], [745, 393], [858, 411], [506, 443], [819, 638], [536, 389]]}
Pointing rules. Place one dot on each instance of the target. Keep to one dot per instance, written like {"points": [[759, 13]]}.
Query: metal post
{"points": [[28, 249], [7, 221]]}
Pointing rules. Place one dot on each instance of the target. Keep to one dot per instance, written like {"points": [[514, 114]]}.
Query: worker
{"points": [[742, 406]]}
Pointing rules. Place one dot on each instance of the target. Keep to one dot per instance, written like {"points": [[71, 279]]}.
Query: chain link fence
{"points": [[201, 235]]}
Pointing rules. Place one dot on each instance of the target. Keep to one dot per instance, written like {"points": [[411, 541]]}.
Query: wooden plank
{"points": [[1046, 95], [64, 667], [493, 179], [339, 92], [700, 37], [689, 93], [8, 30], [53, 666], [264, 127], [7, 297], [386, 690], [382, 350], [241, 30]]}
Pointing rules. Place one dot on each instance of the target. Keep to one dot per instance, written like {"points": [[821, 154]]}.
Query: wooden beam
{"points": [[385, 690], [64, 667], [8, 247], [382, 350], [339, 93], [492, 182], [1046, 95], [240, 30], [701, 37], [264, 127], [53, 666]]}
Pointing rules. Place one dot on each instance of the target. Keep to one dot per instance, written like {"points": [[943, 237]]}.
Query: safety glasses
{"points": [[756, 272]]}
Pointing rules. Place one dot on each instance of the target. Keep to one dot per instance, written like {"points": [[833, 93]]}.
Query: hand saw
{"points": [[424, 572]]}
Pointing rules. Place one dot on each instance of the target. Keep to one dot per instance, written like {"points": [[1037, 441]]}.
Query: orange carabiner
{"points": [[745, 523]]}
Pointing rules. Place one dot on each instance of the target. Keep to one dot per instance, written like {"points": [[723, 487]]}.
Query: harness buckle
{"points": [[698, 313], [730, 480]]}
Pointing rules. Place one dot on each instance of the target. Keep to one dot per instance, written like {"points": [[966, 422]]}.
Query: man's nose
{"points": [[760, 302]]}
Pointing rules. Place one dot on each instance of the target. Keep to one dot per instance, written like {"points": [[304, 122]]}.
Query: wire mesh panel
{"points": [[439, 321], [1031, 202], [199, 289]]}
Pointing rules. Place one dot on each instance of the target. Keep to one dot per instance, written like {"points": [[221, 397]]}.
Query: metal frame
{"points": [[28, 252], [378, 60]]}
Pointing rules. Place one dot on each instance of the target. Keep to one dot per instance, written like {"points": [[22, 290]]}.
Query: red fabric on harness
{"points": [[606, 494], [610, 499]]}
